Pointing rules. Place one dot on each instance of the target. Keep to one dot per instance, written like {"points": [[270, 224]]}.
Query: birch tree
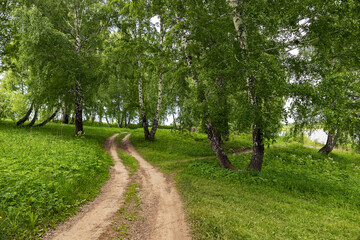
{"points": [[61, 42]]}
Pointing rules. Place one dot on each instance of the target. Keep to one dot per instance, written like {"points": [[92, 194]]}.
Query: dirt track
{"points": [[165, 218], [163, 215], [94, 217]]}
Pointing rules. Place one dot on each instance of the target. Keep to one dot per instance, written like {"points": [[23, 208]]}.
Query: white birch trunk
{"points": [[160, 85], [258, 147]]}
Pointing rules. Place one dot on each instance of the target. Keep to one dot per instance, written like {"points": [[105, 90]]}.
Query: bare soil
{"points": [[95, 217], [163, 217]]}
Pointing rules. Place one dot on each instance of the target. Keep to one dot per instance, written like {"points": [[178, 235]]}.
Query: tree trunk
{"points": [[34, 118], [330, 144], [258, 150], [107, 121], [240, 27], [213, 139], [238, 23], [78, 109], [100, 118], [78, 88], [215, 145], [26, 117], [93, 115], [65, 116], [144, 120], [49, 119], [72, 119], [174, 121], [156, 118]]}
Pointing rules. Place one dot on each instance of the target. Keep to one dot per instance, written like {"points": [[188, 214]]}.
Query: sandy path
{"points": [[94, 217], [165, 217]]}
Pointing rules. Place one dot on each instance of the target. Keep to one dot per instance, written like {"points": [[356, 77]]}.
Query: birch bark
{"points": [[330, 144], [26, 117], [144, 120], [34, 118], [49, 119], [78, 88], [240, 27], [213, 137], [160, 85]]}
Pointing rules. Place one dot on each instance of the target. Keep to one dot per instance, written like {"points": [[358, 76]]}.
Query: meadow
{"points": [[299, 194], [46, 174]]}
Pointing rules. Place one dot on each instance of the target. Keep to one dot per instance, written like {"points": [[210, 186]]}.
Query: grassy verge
{"points": [[299, 194], [46, 173], [128, 214]]}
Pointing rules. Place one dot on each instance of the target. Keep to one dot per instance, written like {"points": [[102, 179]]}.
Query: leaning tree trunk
{"points": [[258, 149], [212, 136], [107, 121], [65, 116], [78, 109], [49, 119], [330, 144], [34, 118], [26, 117], [156, 118], [216, 147]]}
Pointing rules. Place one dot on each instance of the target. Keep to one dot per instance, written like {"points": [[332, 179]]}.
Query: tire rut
{"points": [[163, 209]]}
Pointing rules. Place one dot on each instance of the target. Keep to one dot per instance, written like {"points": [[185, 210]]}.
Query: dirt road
{"points": [[164, 214], [94, 217]]}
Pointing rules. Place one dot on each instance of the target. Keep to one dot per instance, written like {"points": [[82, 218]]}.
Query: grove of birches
{"points": [[218, 67]]}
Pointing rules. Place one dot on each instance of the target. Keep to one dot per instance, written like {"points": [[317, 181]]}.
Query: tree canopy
{"points": [[221, 66]]}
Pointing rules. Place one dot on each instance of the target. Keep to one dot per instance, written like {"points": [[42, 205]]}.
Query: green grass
{"points": [[46, 173], [131, 163], [129, 211], [299, 194]]}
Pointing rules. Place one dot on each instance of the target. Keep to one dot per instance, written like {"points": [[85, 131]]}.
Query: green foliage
{"points": [[46, 173], [326, 78], [298, 194]]}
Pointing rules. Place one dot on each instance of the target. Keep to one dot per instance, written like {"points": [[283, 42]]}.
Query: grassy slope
{"points": [[298, 195], [46, 173]]}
